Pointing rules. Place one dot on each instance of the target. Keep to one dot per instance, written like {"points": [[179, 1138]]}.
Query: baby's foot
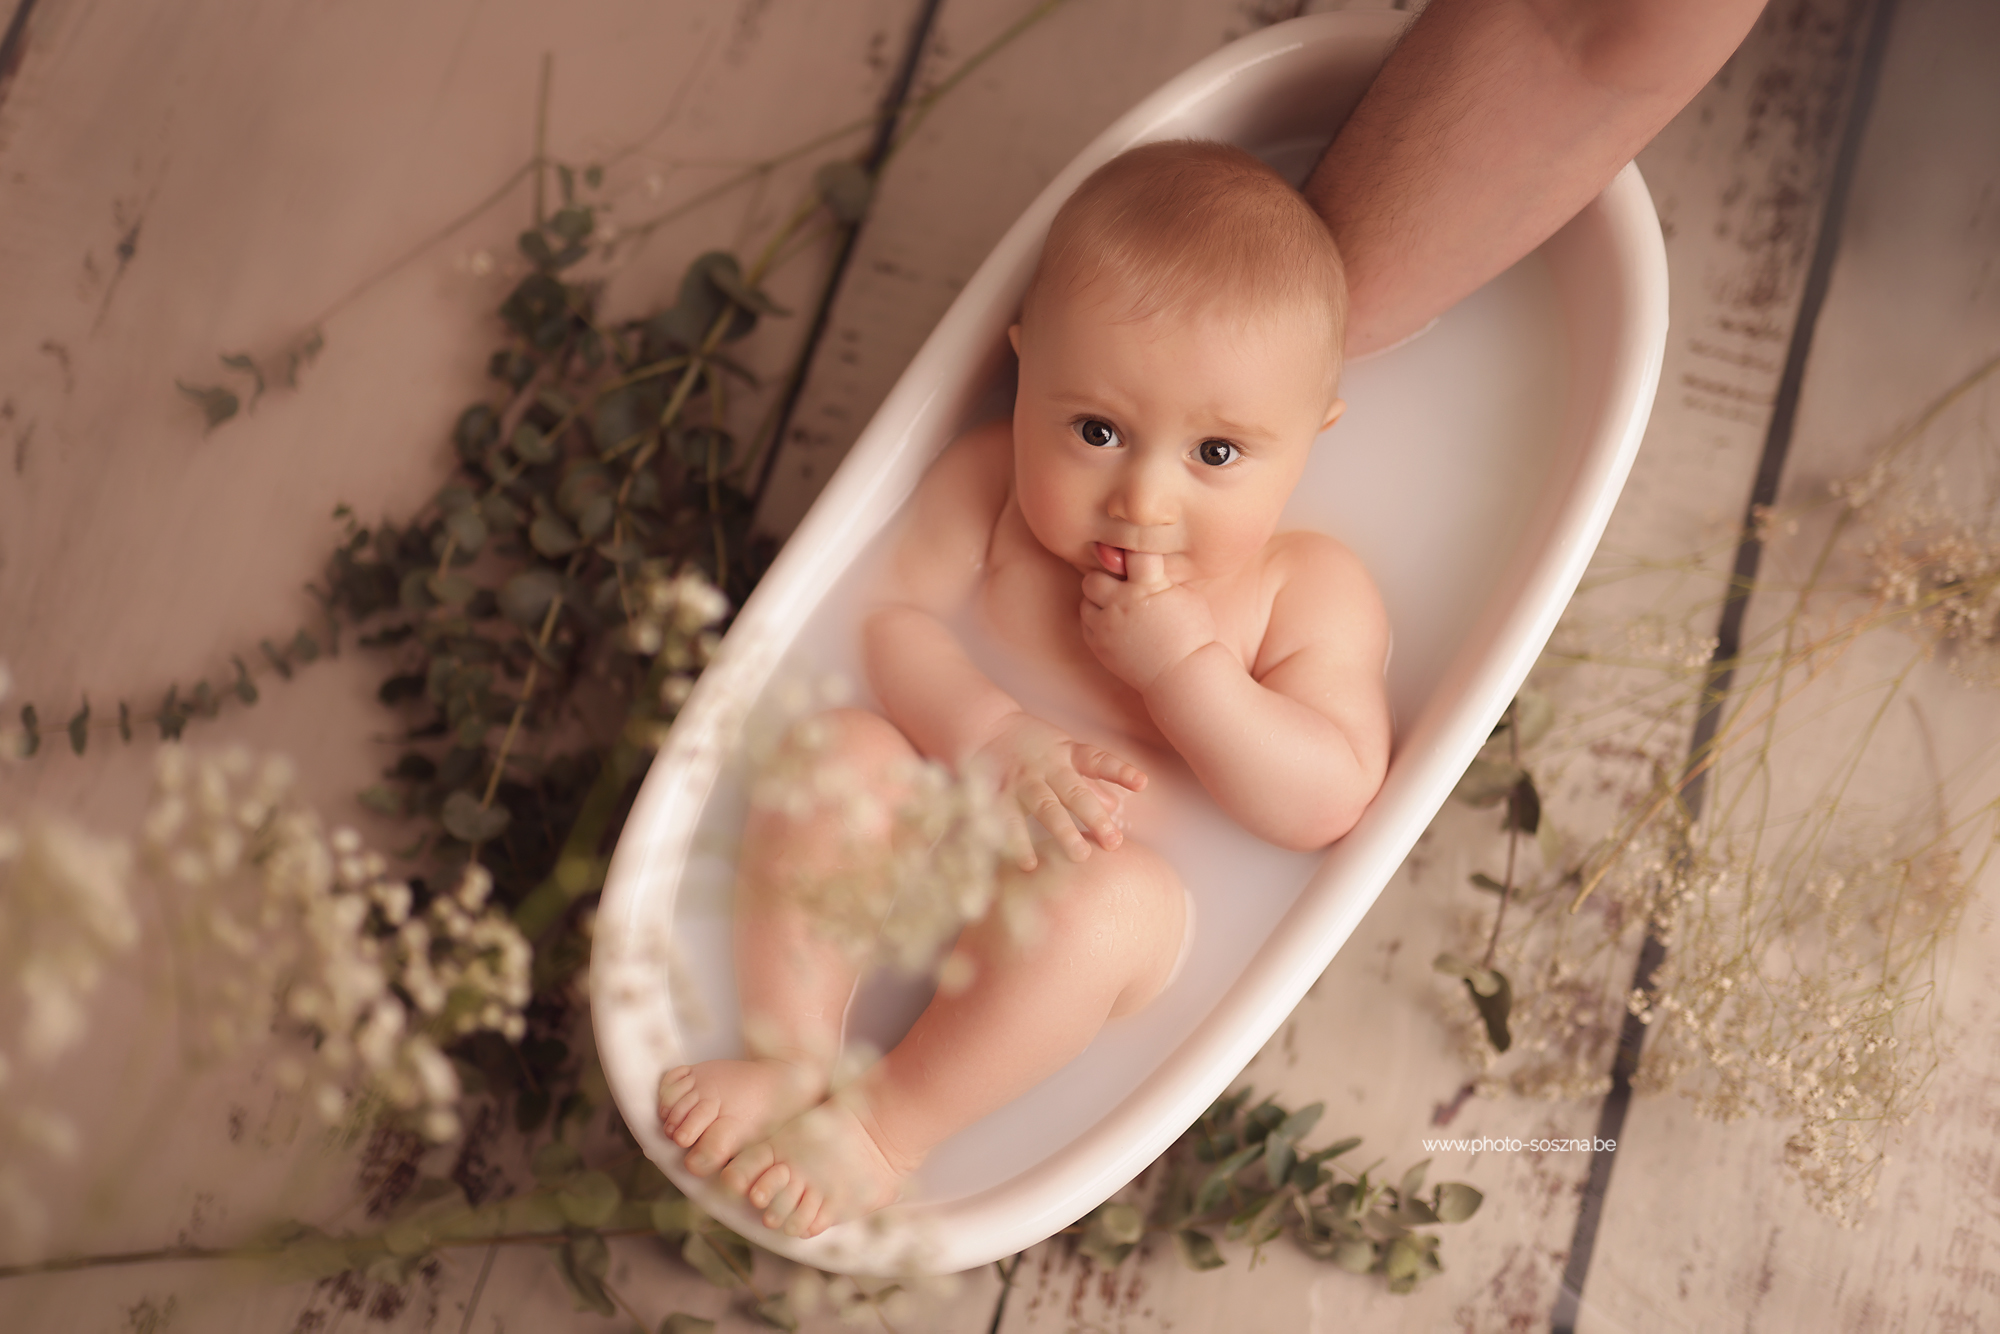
{"points": [[713, 1109], [827, 1166]]}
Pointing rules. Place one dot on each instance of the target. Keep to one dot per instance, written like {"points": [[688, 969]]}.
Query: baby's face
{"points": [[1175, 435]]}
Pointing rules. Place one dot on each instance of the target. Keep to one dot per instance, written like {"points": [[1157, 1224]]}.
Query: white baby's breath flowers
{"points": [[926, 856], [64, 913], [289, 927]]}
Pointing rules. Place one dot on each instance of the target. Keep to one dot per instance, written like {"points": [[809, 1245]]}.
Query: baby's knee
{"points": [[865, 743], [1125, 906]]}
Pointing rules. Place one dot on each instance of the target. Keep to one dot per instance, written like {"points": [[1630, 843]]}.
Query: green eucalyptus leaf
{"points": [[679, 1323], [573, 224], [845, 188], [79, 728], [1524, 806], [674, 1216], [554, 1161], [413, 591], [304, 647], [1354, 1255], [552, 536], [1413, 1180], [465, 819], [1279, 1159], [171, 719], [525, 598], [584, 1261], [530, 445], [1486, 782], [245, 689], [467, 529], [539, 309], [536, 247], [1403, 1261], [500, 513], [1300, 1123], [727, 278], [589, 1199], [451, 590], [1455, 1202], [717, 1261], [595, 518], [240, 361], [1481, 880], [302, 354], [1120, 1222], [775, 1312], [624, 416], [1197, 1249], [217, 404], [1262, 1119], [477, 427], [1215, 1186]]}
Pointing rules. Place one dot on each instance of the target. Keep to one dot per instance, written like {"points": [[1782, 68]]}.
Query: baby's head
{"points": [[1180, 349]]}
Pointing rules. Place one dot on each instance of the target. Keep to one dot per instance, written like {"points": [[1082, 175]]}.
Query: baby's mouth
{"points": [[1112, 559]]}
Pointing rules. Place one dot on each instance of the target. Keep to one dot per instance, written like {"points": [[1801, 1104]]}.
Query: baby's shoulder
{"points": [[1318, 589]]}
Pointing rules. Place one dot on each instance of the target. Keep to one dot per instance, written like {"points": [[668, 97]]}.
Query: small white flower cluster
{"points": [[1828, 1021], [1929, 546], [281, 925], [670, 617], [922, 861], [64, 912]]}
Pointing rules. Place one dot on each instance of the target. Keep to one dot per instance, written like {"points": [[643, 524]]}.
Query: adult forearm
{"points": [[1491, 125], [1285, 772]]}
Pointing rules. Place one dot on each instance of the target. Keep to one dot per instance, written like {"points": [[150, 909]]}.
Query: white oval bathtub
{"points": [[1474, 472]]}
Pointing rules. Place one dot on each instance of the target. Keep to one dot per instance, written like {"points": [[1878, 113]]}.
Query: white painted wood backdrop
{"points": [[263, 163]]}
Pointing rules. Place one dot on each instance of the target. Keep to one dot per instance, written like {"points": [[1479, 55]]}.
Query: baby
{"points": [[1179, 352]]}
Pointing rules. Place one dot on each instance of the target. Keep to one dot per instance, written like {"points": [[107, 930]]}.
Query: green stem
{"points": [[542, 138]]}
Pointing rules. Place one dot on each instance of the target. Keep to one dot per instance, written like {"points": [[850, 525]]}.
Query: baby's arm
{"points": [[1294, 745], [931, 690]]}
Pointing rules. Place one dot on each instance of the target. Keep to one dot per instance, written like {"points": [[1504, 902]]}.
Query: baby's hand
{"points": [[1052, 776], [1141, 625]]}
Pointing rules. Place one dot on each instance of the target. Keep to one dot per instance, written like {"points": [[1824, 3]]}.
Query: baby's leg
{"points": [[1111, 930], [793, 982]]}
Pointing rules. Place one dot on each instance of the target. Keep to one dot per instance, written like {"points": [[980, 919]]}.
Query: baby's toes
{"points": [[767, 1187], [675, 1085], [747, 1166], [696, 1114], [785, 1202], [804, 1218]]}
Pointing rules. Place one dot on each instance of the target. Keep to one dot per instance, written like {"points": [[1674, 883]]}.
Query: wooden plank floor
{"points": [[258, 163]]}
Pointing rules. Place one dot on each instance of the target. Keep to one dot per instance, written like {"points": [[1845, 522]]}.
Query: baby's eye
{"points": [[1100, 434], [1215, 453]]}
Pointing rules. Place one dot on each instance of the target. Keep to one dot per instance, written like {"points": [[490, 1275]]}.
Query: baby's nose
{"points": [[1143, 497]]}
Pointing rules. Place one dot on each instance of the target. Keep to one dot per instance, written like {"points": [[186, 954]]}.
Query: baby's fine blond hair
{"points": [[1186, 225]]}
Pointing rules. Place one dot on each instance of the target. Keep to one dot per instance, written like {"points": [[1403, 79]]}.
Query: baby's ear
{"points": [[1333, 414], [1014, 337]]}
